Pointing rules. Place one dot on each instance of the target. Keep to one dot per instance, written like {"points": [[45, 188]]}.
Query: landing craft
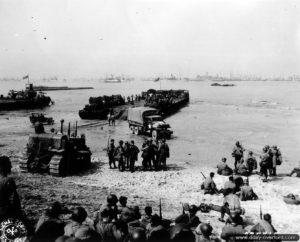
{"points": [[28, 99]]}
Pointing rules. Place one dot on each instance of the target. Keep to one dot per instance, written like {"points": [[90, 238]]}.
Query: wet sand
{"points": [[180, 184], [204, 132]]}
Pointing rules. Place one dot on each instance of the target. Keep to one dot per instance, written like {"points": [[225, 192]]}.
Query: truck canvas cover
{"points": [[138, 114]]}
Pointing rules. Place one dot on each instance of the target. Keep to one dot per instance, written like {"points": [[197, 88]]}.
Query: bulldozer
{"points": [[58, 154]]}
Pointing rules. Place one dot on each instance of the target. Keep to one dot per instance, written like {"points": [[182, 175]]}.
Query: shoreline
{"points": [[175, 186]]}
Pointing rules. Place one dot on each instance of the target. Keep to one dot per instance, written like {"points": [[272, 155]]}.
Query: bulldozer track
{"points": [[23, 163], [54, 165]]}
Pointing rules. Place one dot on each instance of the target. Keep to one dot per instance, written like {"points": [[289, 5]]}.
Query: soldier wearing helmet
{"points": [[119, 156], [79, 215], [237, 153], [189, 217], [163, 154], [110, 206], [9, 199]]}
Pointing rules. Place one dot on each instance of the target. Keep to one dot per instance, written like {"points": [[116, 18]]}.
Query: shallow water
{"points": [[256, 113]]}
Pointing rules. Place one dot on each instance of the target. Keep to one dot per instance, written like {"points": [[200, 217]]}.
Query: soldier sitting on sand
{"points": [[264, 225], [232, 228], [204, 232], [223, 168], [241, 168], [229, 184], [189, 218], [209, 186], [231, 205], [247, 192]]}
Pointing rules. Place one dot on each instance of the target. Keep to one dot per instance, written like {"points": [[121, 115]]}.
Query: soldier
{"points": [[209, 186], [237, 153], [241, 168], [119, 156], [146, 155], [190, 218], [231, 229], [110, 206], [231, 205], [247, 192], [78, 217], [264, 226], [111, 153], [276, 159], [49, 226], [265, 163], [230, 184], [146, 219], [105, 227], [10, 206], [152, 154], [109, 119], [123, 203], [223, 168], [133, 155], [163, 154], [113, 119], [203, 232], [126, 153], [251, 162]]}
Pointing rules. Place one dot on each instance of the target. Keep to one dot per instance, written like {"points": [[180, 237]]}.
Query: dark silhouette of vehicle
{"points": [[58, 154], [39, 117], [145, 120]]}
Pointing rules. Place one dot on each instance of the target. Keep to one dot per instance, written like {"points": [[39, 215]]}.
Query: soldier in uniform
{"points": [[10, 206], [126, 153], [251, 162], [111, 153], [231, 205], [209, 186], [190, 219], [230, 184], [264, 226], [133, 155], [152, 154], [247, 192], [276, 159], [241, 168], [233, 228], [78, 217], [223, 168], [146, 155], [265, 163], [163, 154], [119, 156], [237, 153]]}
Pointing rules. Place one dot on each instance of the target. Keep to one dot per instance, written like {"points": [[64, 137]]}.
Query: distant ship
{"points": [[113, 79], [28, 99]]}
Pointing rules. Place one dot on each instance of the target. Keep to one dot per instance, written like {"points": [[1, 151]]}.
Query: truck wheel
{"points": [[131, 128], [154, 135], [136, 130]]}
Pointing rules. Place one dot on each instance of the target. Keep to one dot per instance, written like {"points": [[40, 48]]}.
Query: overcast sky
{"points": [[92, 38]]}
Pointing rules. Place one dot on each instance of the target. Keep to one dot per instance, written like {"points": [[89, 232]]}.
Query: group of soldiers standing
{"points": [[126, 154]]}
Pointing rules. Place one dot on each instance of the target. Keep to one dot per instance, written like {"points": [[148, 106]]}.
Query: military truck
{"points": [[145, 120], [58, 154], [41, 118]]}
